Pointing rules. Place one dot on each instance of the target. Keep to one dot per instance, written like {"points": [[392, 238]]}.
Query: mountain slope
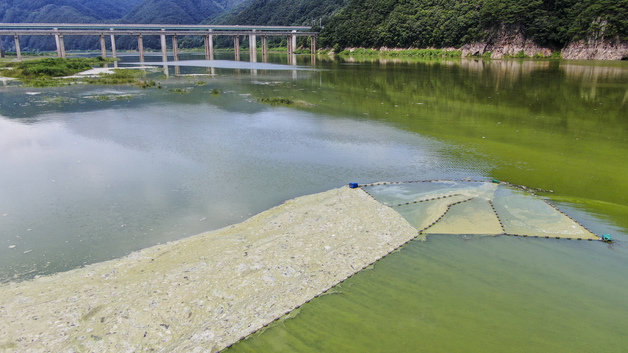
{"points": [[177, 11], [113, 11], [442, 23], [78, 11], [282, 12]]}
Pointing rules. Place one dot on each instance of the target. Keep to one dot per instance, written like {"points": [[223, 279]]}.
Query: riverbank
{"points": [[506, 47], [205, 292]]}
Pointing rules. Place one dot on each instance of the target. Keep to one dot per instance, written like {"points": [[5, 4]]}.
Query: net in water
{"points": [[462, 207]]}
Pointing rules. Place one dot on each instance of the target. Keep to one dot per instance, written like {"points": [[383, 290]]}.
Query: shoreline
{"points": [[206, 292]]}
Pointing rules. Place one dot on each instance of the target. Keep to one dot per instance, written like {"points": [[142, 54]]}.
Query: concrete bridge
{"points": [[60, 30]]}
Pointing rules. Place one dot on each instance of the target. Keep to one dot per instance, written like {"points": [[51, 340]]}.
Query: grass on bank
{"points": [[53, 72], [51, 67], [403, 53]]}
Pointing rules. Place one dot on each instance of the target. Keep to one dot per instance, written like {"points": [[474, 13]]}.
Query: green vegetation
{"points": [[404, 53], [148, 84], [50, 67], [105, 11], [111, 97], [118, 77], [283, 12], [214, 92], [452, 23], [180, 90], [276, 100], [52, 72]]}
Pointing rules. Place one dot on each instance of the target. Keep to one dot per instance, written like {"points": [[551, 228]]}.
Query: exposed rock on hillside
{"points": [[506, 43], [596, 50]]}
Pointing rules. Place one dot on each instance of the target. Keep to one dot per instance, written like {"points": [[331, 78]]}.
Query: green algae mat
{"points": [[466, 207]]}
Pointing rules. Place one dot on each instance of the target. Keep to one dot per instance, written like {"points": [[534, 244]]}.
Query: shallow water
{"points": [[86, 179]]}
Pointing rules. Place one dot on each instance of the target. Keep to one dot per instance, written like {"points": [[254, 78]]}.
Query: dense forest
{"points": [[445, 23], [282, 12]]}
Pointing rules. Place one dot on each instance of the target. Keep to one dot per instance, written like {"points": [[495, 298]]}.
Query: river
{"points": [[90, 173]]}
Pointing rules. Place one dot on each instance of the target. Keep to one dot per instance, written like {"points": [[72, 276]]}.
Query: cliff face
{"points": [[596, 50], [505, 42]]}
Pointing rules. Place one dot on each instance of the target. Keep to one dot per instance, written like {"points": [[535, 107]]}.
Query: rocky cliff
{"points": [[506, 42], [596, 50]]}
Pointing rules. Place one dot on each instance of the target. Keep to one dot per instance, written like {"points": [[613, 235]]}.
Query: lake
{"points": [[91, 173]]}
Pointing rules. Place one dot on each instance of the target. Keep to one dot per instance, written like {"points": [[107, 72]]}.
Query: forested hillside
{"points": [[283, 12], [443, 23], [77, 11], [177, 11]]}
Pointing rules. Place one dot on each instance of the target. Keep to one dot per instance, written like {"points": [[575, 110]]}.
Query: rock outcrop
{"points": [[596, 50], [506, 42]]}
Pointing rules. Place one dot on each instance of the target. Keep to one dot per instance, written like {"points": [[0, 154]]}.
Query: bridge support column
{"points": [[18, 50], [140, 47], [253, 47], [60, 44], [114, 52], [175, 48], [209, 47], [236, 46], [103, 46], [112, 39], [164, 52], [313, 44], [293, 42], [289, 45], [264, 49]]}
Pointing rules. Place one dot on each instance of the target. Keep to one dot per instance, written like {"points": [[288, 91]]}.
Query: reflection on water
{"points": [[225, 64], [81, 187], [91, 173]]}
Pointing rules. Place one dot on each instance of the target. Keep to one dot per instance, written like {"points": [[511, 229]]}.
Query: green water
{"points": [[487, 294], [84, 180], [560, 126]]}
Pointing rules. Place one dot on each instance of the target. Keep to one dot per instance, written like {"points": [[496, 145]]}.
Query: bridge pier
{"points": [[164, 52], [313, 45], [236, 46], [103, 46], [253, 47], [18, 50], [114, 52], [264, 49], [60, 44], [209, 47], [140, 47], [293, 41], [175, 48]]}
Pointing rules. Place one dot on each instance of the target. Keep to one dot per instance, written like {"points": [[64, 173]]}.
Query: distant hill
{"points": [[78, 11], [114, 11]]}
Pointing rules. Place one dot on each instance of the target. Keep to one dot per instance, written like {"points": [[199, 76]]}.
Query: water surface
{"points": [[92, 173]]}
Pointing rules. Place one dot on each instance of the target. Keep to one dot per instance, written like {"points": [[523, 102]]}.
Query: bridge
{"points": [[60, 30]]}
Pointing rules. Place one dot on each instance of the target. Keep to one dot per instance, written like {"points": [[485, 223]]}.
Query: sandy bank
{"points": [[205, 292]]}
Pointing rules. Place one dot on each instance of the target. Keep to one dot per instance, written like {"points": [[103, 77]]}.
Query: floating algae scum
{"points": [[477, 207], [206, 292]]}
